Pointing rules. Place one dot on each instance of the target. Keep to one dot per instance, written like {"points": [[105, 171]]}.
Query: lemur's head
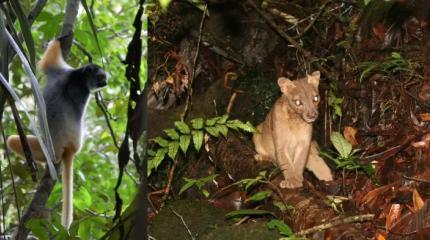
{"points": [[95, 76], [302, 95]]}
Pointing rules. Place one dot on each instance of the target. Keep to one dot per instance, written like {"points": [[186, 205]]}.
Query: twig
{"points": [[277, 29], [102, 107], [11, 175], [190, 85], [289, 39], [231, 102], [335, 222], [166, 190], [183, 223], [322, 7], [36, 11], [84, 51], [416, 179]]}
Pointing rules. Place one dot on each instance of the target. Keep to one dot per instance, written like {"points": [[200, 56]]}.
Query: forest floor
{"points": [[375, 91]]}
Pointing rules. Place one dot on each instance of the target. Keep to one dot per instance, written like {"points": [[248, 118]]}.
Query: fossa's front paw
{"points": [[291, 182], [261, 158]]}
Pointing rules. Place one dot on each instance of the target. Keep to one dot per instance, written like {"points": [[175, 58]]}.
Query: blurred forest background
{"points": [[101, 32]]}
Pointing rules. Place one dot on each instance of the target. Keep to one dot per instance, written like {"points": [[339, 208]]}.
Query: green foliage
{"points": [[335, 103], [181, 136], [199, 183], [259, 196], [346, 157], [336, 202], [282, 228], [248, 183], [248, 212], [95, 168], [44, 230], [393, 64]]}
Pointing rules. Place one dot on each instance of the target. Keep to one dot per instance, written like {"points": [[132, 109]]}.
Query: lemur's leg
{"points": [[14, 144]]}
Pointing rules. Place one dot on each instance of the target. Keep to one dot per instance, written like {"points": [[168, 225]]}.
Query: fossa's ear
{"points": [[285, 84], [314, 78]]}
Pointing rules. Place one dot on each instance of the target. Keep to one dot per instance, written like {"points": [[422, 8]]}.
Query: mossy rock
{"points": [[199, 217], [252, 231]]}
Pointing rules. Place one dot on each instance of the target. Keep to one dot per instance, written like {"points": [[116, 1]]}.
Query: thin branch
{"points": [[335, 222], [314, 18], [84, 51], [289, 39], [183, 223], [37, 9], [11, 175], [105, 112], [277, 29], [193, 71]]}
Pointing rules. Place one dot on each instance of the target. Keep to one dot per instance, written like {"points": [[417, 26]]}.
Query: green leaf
{"points": [[280, 205], [159, 156], [197, 139], [223, 119], [186, 186], [172, 133], [164, 3], [37, 228], [211, 122], [182, 127], [197, 123], [248, 127], [200, 4], [83, 199], [205, 193], [223, 130], [283, 228], [260, 196], [184, 142], [396, 55], [236, 124], [93, 27], [161, 141], [213, 131], [247, 212], [343, 147], [173, 149]]}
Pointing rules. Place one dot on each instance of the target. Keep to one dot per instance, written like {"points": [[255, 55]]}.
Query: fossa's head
{"points": [[302, 95]]}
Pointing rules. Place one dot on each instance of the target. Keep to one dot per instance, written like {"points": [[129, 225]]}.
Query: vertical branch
{"points": [[70, 15], [135, 124], [193, 71]]}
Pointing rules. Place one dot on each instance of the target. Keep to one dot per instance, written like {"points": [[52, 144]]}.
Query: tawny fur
{"points": [[285, 136], [52, 58]]}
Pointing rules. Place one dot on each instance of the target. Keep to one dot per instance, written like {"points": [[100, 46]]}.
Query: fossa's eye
{"points": [[316, 98], [298, 102]]}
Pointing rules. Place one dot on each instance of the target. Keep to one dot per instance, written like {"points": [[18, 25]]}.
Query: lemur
{"points": [[66, 96]]}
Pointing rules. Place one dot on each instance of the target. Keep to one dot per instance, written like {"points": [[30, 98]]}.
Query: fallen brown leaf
{"points": [[417, 200], [393, 215]]}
